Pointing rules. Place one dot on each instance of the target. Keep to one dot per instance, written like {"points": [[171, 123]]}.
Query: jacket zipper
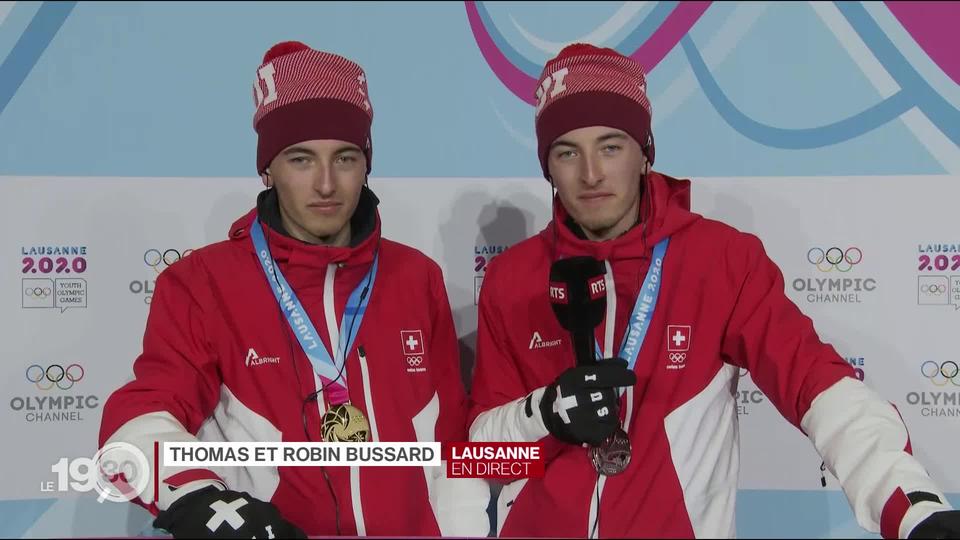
{"points": [[593, 524]]}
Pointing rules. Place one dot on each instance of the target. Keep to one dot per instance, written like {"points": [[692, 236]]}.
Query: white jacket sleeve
{"points": [[459, 504], [146, 433], [517, 421], [865, 444]]}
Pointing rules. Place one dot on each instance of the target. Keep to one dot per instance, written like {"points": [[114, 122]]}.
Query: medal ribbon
{"points": [[325, 366]]}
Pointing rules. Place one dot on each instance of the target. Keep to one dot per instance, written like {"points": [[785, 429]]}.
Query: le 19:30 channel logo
{"points": [[119, 472]]}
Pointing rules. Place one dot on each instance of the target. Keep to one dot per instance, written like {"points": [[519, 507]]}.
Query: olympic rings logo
{"points": [[159, 261], [55, 375], [933, 289], [948, 370], [414, 361], [37, 292], [678, 358], [843, 261]]}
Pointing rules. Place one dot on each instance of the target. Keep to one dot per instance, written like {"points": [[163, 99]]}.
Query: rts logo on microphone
{"points": [[598, 287], [558, 293]]}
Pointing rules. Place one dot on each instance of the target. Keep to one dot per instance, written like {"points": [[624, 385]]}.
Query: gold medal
{"points": [[345, 423]]}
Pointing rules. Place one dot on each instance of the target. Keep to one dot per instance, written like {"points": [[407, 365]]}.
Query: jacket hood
{"points": [[664, 210], [364, 224]]}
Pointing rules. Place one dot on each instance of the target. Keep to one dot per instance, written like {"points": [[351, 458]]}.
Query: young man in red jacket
{"points": [[305, 325], [689, 302]]}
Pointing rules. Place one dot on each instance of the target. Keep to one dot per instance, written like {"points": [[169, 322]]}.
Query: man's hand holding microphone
{"points": [[583, 404]]}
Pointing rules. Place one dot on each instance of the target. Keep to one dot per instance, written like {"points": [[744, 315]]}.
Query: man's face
{"points": [[318, 184], [597, 172]]}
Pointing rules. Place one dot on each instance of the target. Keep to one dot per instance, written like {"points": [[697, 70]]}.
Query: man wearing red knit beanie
{"points": [[305, 325], [639, 415]]}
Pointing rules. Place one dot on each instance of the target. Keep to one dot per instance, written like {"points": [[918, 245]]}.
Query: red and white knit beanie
{"points": [[303, 94], [589, 86]]}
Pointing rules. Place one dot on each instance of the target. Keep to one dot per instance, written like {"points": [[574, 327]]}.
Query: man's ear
{"points": [[265, 178]]}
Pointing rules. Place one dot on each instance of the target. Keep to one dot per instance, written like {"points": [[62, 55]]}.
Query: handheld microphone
{"points": [[578, 295]]}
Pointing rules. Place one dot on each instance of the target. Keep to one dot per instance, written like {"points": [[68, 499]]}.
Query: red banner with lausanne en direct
{"points": [[494, 460]]}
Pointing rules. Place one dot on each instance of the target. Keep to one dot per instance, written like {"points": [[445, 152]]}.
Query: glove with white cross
{"points": [[212, 513], [582, 405]]}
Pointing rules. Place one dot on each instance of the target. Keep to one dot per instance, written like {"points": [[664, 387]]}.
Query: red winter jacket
{"points": [[721, 307], [220, 363]]}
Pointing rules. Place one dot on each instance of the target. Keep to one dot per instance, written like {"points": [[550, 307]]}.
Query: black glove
{"points": [[582, 405], [945, 524], [211, 513]]}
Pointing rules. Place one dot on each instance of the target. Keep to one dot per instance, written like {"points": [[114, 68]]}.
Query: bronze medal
{"points": [[612, 457]]}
